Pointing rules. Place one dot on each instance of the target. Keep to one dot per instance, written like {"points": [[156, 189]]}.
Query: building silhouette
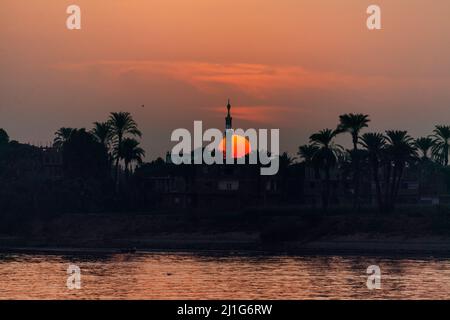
{"points": [[217, 186], [224, 187]]}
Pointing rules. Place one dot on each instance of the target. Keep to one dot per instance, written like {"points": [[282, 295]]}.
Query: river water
{"points": [[220, 276]]}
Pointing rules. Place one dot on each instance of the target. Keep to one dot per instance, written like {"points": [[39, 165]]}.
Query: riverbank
{"points": [[339, 246], [424, 232]]}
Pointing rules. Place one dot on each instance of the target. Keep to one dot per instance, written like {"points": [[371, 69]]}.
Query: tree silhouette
{"points": [[83, 156], [307, 153], [326, 156], [131, 153], [400, 150], [353, 124], [122, 124], [424, 144], [4, 138], [61, 136], [102, 133], [283, 172], [441, 139], [375, 144]]}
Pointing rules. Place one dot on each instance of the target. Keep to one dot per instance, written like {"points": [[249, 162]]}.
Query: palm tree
{"points": [[426, 168], [353, 124], [307, 153], [424, 144], [102, 133], [326, 155], [130, 152], [375, 143], [4, 138], [285, 162], [400, 150], [62, 136], [441, 139], [122, 124]]}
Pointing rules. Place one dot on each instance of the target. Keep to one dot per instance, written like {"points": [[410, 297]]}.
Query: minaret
{"points": [[228, 119]]}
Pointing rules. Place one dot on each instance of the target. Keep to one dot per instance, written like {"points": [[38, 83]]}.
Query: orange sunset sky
{"points": [[289, 64]]}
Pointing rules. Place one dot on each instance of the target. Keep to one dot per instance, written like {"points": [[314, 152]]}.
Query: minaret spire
{"points": [[228, 119]]}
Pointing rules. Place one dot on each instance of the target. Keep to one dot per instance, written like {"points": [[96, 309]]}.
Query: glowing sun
{"points": [[239, 144]]}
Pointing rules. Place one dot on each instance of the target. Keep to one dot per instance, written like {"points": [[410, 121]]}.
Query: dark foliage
{"points": [[84, 157]]}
